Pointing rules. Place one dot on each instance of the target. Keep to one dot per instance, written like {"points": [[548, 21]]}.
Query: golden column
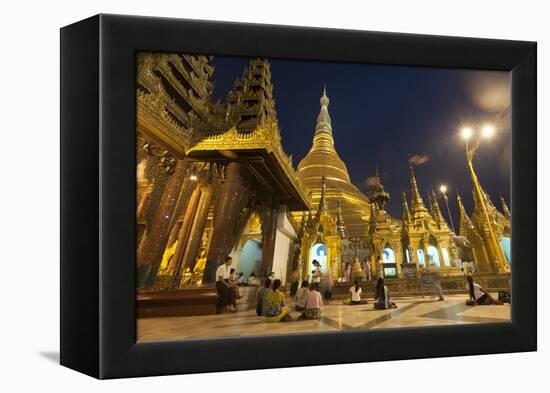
{"points": [[497, 254]]}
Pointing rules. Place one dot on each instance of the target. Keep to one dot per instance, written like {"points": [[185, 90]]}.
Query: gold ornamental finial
{"points": [[324, 99], [435, 207], [406, 212], [505, 208], [417, 204], [466, 223]]}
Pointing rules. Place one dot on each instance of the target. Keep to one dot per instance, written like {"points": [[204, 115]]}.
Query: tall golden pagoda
{"points": [[321, 161]]}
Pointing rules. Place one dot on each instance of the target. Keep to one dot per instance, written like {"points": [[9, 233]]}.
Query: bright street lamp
{"points": [[466, 133], [488, 131]]}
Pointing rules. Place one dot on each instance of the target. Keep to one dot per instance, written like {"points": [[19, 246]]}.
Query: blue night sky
{"points": [[387, 114]]}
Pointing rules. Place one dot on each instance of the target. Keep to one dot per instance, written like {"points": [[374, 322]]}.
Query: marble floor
{"points": [[411, 312]]}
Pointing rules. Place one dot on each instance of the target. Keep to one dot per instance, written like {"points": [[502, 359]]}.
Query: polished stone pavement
{"points": [[411, 312]]}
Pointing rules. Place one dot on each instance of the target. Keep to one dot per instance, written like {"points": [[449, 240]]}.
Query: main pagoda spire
{"points": [[323, 138], [322, 160]]}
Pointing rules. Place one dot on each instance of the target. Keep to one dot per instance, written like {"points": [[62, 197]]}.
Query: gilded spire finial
{"points": [[322, 202], [466, 224], [340, 221], [417, 204], [436, 211], [406, 212], [324, 99], [505, 208]]}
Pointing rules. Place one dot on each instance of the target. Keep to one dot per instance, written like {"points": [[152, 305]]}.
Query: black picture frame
{"points": [[98, 161]]}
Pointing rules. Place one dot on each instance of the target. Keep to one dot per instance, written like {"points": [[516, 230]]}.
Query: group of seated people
{"points": [[270, 298], [381, 295], [270, 302]]}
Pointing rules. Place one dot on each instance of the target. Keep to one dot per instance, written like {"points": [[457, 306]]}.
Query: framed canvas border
{"points": [[98, 133]]}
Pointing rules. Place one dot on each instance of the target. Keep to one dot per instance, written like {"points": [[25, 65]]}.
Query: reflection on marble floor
{"points": [[411, 312]]}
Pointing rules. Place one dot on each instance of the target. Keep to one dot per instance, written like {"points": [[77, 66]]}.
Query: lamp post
{"points": [[443, 190], [497, 253]]}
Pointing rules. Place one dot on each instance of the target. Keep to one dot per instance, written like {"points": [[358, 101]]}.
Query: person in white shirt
{"points": [[226, 296], [316, 279], [479, 295], [356, 292]]}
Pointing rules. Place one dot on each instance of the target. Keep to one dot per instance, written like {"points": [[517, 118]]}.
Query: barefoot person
{"points": [[226, 296], [347, 272], [275, 310], [356, 292], [234, 283], [314, 302], [316, 273], [326, 284], [479, 295], [260, 297], [301, 295], [382, 296]]}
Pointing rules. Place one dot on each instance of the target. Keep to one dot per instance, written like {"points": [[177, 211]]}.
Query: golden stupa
{"points": [[322, 160]]}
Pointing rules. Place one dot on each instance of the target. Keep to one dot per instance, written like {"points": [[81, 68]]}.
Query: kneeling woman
{"points": [[301, 296], [314, 302], [382, 296], [479, 295], [275, 310], [356, 292]]}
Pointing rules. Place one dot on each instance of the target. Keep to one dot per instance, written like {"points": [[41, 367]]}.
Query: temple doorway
{"points": [[420, 256], [388, 255], [433, 256], [250, 258], [319, 252], [389, 262], [505, 244]]}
